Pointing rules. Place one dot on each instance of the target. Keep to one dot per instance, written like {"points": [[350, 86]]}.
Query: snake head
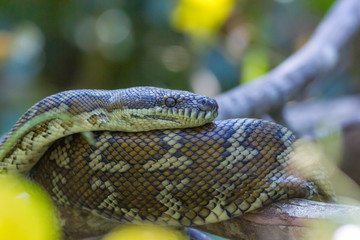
{"points": [[151, 108]]}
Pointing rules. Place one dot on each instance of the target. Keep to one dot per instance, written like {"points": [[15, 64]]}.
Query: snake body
{"points": [[180, 176]]}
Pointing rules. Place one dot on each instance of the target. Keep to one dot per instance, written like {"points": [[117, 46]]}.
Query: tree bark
{"points": [[290, 219]]}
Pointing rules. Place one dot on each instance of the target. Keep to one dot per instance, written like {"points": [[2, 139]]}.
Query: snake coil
{"points": [[156, 157]]}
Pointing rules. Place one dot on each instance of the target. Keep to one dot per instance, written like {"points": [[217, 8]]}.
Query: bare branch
{"points": [[196, 234], [288, 219], [280, 85]]}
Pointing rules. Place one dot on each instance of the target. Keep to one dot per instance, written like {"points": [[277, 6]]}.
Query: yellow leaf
{"points": [[26, 213], [146, 232], [201, 18]]}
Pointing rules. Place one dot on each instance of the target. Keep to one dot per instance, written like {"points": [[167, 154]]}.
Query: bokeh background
{"points": [[203, 46]]}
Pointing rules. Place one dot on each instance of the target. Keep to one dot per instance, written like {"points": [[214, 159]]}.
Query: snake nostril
{"points": [[207, 105]]}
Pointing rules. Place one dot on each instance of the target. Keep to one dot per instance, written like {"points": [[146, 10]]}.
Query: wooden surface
{"points": [[284, 220]]}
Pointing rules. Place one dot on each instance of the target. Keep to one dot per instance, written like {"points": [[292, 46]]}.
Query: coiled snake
{"points": [[181, 176]]}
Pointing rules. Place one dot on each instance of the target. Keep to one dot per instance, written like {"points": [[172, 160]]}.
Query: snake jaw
{"points": [[181, 117], [210, 115], [194, 117], [166, 119], [172, 117]]}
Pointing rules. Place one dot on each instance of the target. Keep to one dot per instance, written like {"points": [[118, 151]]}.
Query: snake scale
{"points": [[156, 157]]}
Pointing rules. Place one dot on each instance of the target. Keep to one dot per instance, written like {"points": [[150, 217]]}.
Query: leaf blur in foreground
{"points": [[26, 212], [146, 232]]}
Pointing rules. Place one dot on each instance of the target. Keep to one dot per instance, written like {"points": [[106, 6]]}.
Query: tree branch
{"points": [[280, 85], [290, 219]]}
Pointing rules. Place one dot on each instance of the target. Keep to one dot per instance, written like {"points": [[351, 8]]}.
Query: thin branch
{"points": [[280, 85], [290, 219], [196, 234]]}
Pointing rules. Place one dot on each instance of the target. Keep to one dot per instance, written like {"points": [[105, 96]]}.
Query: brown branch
{"points": [[289, 219], [280, 85]]}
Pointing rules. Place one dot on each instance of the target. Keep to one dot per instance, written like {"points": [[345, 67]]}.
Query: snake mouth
{"points": [[155, 118], [162, 118], [183, 117], [198, 115], [188, 116]]}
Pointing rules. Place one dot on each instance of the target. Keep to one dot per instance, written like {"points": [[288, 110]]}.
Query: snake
{"points": [[155, 156]]}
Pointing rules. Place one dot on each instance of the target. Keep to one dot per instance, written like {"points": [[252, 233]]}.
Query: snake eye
{"points": [[170, 102]]}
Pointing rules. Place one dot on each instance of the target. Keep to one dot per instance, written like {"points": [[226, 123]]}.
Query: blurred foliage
{"points": [[335, 229], [201, 18], [26, 212], [51, 46], [255, 64]]}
